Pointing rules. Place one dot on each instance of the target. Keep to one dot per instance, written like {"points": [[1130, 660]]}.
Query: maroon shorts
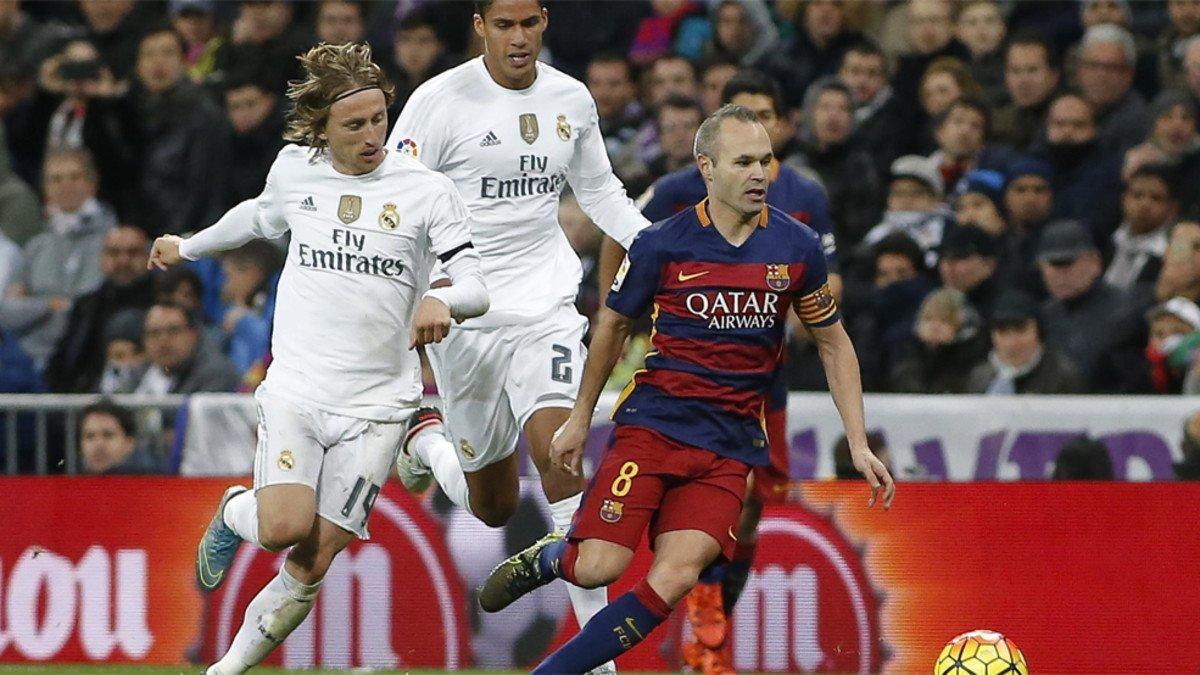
{"points": [[646, 478], [771, 481]]}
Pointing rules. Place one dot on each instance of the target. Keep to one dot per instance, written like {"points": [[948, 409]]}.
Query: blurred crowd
{"points": [[1013, 186]]}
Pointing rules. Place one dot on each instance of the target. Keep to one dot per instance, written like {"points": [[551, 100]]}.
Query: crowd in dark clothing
{"points": [[1014, 186]]}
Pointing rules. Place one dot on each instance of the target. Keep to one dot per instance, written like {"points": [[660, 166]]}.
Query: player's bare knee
{"points": [[495, 510], [276, 534], [595, 571]]}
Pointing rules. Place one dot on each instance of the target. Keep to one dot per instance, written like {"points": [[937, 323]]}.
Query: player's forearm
{"points": [[611, 254], [234, 228], [608, 341], [845, 384], [467, 294]]}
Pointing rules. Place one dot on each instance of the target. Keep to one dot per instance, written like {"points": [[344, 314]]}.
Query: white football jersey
{"points": [[361, 252], [511, 153]]}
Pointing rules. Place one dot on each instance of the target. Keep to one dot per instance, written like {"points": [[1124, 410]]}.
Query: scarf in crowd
{"points": [[1005, 382], [65, 224]]}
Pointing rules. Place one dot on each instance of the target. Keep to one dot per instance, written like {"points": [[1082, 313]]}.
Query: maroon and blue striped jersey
{"points": [[719, 312]]}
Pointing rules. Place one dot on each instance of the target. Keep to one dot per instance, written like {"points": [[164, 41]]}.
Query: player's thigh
{"points": [[356, 467], [309, 560], [557, 482], [625, 491], [287, 466], [679, 557], [547, 364], [471, 367], [709, 501]]}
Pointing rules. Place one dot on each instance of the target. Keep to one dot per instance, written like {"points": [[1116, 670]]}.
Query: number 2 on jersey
{"points": [[624, 479]]}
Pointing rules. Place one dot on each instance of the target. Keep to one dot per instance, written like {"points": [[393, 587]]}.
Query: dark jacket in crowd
{"points": [[853, 184], [79, 358], [1087, 187], [1054, 374], [251, 156], [880, 320], [1125, 124], [941, 370], [1085, 327], [802, 61], [1021, 128]]}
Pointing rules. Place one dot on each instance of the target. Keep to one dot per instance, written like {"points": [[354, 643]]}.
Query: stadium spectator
{"points": [[1172, 347], [1191, 68], [610, 82], [1181, 267], [1149, 207], [677, 121], [947, 343], [945, 81], [815, 50], [340, 21], [418, 53], [931, 36], [180, 361], [1107, 59], [124, 353], [713, 78], [251, 273], [24, 42], [758, 92], [1019, 362], [185, 141], [1083, 459], [1173, 136], [981, 203], [1031, 76], [1189, 445], [116, 27], [843, 465], [967, 263], [1173, 41], [826, 146], [256, 119], [881, 119], [669, 75], [79, 356], [196, 22], [675, 26], [1084, 312], [980, 27], [961, 133], [742, 32], [20, 217], [265, 34], [1029, 202], [63, 262], [1086, 178], [108, 442], [914, 205]]}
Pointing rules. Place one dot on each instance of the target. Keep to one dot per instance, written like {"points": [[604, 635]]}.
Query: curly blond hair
{"points": [[330, 72]]}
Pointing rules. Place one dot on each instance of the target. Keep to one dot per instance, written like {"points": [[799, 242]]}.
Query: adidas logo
{"points": [[489, 140], [307, 204]]}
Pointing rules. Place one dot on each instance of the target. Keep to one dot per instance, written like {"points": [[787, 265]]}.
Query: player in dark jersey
{"points": [[710, 604], [719, 280]]}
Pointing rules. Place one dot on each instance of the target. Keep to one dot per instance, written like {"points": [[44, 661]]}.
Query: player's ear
{"points": [[478, 23]]}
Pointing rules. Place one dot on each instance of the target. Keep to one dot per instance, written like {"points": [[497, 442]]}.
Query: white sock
{"points": [[585, 601], [438, 453], [270, 617], [241, 515]]}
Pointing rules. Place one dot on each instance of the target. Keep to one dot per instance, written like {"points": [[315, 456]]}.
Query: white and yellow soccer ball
{"points": [[981, 652]]}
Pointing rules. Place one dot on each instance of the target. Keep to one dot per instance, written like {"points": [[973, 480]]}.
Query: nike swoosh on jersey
{"points": [[688, 277]]}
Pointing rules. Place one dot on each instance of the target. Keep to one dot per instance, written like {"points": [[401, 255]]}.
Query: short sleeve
{"points": [[814, 302], [449, 224], [420, 131], [637, 280]]}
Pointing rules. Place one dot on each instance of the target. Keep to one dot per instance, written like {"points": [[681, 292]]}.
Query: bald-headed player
{"points": [[721, 277], [512, 133], [367, 225]]}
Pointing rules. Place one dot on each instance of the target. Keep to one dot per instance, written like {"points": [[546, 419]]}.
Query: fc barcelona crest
{"points": [[349, 208], [823, 297], [389, 219], [611, 511], [563, 128], [529, 127], [777, 277]]}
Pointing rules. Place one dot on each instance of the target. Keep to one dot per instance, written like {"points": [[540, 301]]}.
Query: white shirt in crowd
{"points": [[511, 153], [361, 252]]}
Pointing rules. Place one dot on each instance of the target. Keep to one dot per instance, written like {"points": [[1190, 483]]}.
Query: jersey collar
{"points": [[705, 221]]}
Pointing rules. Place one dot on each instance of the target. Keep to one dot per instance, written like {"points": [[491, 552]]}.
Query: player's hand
{"points": [[566, 448], [876, 473], [431, 322], [165, 252]]}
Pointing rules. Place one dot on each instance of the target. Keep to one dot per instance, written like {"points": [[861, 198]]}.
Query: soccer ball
{"points": [[981, 652]]}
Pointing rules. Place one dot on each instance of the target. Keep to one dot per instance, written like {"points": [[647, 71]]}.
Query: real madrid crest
{"points": [[563, 128], [466, 449], [349, 208], [389, 218], [529, 127], [286, 460]]}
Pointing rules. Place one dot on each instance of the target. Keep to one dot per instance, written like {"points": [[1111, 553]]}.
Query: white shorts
{"points": [[492, 380], [345, 460]]}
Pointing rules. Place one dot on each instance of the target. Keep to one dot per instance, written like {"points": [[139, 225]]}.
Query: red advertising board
{"points": [[1085, 578]]}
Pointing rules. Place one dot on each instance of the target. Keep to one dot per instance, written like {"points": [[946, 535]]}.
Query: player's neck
{"points": [[735, 226], [524, 82]]}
